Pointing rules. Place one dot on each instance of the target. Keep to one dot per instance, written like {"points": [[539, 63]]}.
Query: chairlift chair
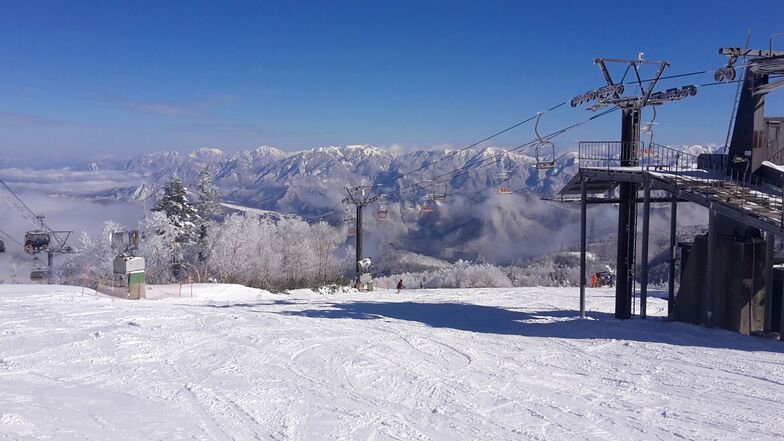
{"points": [[502, 183], [348, 214], [350, 220], [439, 191], [544, 150], [545, 155], [39, 275], [381, 211], [648, 128], [427, 206], [36, 241]]}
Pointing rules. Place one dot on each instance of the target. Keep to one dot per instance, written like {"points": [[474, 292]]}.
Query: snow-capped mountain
{"points": [[311, 182], [474, 219]]}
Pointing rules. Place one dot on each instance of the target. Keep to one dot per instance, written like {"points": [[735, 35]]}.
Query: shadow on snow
{"points": [[551, 323]]}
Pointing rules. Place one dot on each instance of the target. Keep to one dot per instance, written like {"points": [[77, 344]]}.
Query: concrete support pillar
{"points": [[646, 214], [710, 271], [770, 241], [583, 241], [673, 250]]}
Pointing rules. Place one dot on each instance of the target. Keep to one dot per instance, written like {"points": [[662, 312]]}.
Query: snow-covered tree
{"points": [[288, 253], [208, 205], [209, 210], [326, 240], [180, 213], [93, 260], [159, 247]]}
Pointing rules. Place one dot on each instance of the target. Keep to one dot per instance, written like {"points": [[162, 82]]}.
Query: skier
{"points": [[400, 286], [594, 281]]}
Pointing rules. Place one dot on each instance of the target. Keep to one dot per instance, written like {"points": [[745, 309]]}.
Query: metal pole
{"points": [[646, 214], [627, 208], [709, 273], [673, 246], [770, 242], [50, 266], [583, 244], [358, 250]]}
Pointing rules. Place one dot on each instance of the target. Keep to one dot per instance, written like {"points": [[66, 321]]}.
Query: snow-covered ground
{"points": [[489, 364]]}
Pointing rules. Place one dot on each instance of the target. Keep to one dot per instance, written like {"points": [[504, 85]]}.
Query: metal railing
{"points": [[709, 175], [607, 154]]}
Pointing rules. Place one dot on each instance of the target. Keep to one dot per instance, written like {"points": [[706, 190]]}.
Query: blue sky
{"points": [[105, 77]]}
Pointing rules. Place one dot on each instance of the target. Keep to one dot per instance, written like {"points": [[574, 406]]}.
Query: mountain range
{"points": [[474, 220]]}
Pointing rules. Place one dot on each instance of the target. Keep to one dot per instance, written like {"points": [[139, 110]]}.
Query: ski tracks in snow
{"points": [[245, 365]]}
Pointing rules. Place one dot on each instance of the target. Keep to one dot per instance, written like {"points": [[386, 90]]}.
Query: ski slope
{"points": [[232, 363]]}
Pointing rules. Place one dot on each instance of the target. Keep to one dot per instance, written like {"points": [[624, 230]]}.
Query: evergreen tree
{"points": [[208, 205], [208, 208], [180, 213]]}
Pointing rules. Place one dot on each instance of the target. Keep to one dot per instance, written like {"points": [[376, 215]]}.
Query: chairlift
{"points": [[438, 191], [382, 210], [502, 183], [348, 214], [350, 220], [39, 273], [544, 150], [648, 128], [428, 206], [36, 241]]}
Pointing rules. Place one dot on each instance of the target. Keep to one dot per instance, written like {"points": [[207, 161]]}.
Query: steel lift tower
{"points": [[359, 196], [629, 153]]}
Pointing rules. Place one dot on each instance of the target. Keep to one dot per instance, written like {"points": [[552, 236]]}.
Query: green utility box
{"points": [[136, 286], [370, 286]]}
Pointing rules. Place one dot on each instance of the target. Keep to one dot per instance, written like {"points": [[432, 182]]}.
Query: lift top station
{"points": [[727, 276]]}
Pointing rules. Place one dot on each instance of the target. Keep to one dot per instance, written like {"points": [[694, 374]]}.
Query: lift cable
{"points": [[19, 205], [427, 164], [12, 238], [522, 146], [34, 219], [472, 166]]}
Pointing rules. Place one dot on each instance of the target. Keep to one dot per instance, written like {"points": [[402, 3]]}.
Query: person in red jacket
{"points": [[594, 281]]}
